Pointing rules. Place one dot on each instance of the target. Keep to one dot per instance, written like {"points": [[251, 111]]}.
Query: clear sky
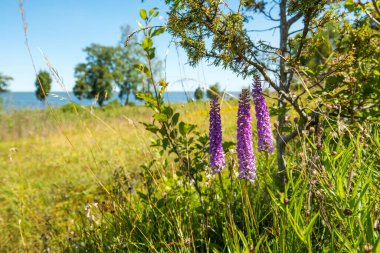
{"points": [[61, 29]]}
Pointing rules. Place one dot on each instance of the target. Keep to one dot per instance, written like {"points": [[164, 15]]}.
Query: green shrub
{"points": [[71, 108], [114, 104]]}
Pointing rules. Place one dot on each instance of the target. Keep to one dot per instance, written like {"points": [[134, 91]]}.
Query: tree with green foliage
{"points": [[349, 52], [221, 33], [96, 77], [213, 90], [4, 82], [198, 93], [43, 85], [81, 89]]}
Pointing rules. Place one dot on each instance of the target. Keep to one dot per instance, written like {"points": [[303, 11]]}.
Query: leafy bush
{"points": [[71, 108], [114, 104]]}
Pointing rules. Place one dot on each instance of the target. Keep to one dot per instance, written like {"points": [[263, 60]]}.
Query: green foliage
{"points": [[331, 65], [175, 205], [328, 204], [4, 82], [213, 90], [110, 67], [43, 85], [365, 10], [96, 77], [198, 93], [350, 91], [114, 104], [71, 108], [81, 89]]}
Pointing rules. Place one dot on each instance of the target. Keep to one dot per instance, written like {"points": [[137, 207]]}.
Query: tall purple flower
{"points": [[217, 161], [264, 130], [244, 149]]}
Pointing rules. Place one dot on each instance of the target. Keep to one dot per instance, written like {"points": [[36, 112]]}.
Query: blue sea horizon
{"points": [[28, 100]]}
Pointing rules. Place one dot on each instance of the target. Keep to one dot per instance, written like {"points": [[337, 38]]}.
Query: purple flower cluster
{"points": [[217, 161], [247, 164], [264, 130], [244, 147]]}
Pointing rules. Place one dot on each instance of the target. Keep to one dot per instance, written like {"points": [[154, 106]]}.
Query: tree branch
{"points": [[375, 7], [295, 18], [264, 30], [302, 42], [269, 14], [295, 31], [287, 95]]}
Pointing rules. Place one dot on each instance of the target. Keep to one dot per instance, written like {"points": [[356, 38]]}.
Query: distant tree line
{"points": [[211, 92], [110, 67]]}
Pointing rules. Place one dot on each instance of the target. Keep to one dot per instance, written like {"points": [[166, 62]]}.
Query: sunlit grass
{"points": [[53, 163]]}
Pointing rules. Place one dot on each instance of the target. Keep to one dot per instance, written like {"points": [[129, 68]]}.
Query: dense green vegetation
{"points": [[74, 180], [139, 178]]}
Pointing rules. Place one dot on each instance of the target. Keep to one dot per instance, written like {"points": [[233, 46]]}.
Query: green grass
{"points": [[53, 162], [56, 164]]}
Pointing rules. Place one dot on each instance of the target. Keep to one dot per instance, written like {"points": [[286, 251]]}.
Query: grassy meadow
{"points": [[73, 181], [55, 161]]}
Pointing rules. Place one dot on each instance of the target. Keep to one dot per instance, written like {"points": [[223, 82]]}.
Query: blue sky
{"points": [[61, 29]]}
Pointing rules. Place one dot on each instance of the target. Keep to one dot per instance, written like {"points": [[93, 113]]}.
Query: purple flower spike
{"points": [[244, 149], [264, 130], [217, 161]]}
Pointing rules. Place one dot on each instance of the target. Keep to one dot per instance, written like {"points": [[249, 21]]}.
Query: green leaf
{"points": [[376, 72], [227, 145], [152, 53], [168, 111], [165, 143], [143, 196], [160, 117], [152, 10], [161, 203], [377, 245], [257, 247], [175, 118], [142, 68], [275, 111], [309, 227], [151, 128], [146, 97], [143, 14], [140, 25], [185, 128], [296, 227], [158, 31], [147, 43]]}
